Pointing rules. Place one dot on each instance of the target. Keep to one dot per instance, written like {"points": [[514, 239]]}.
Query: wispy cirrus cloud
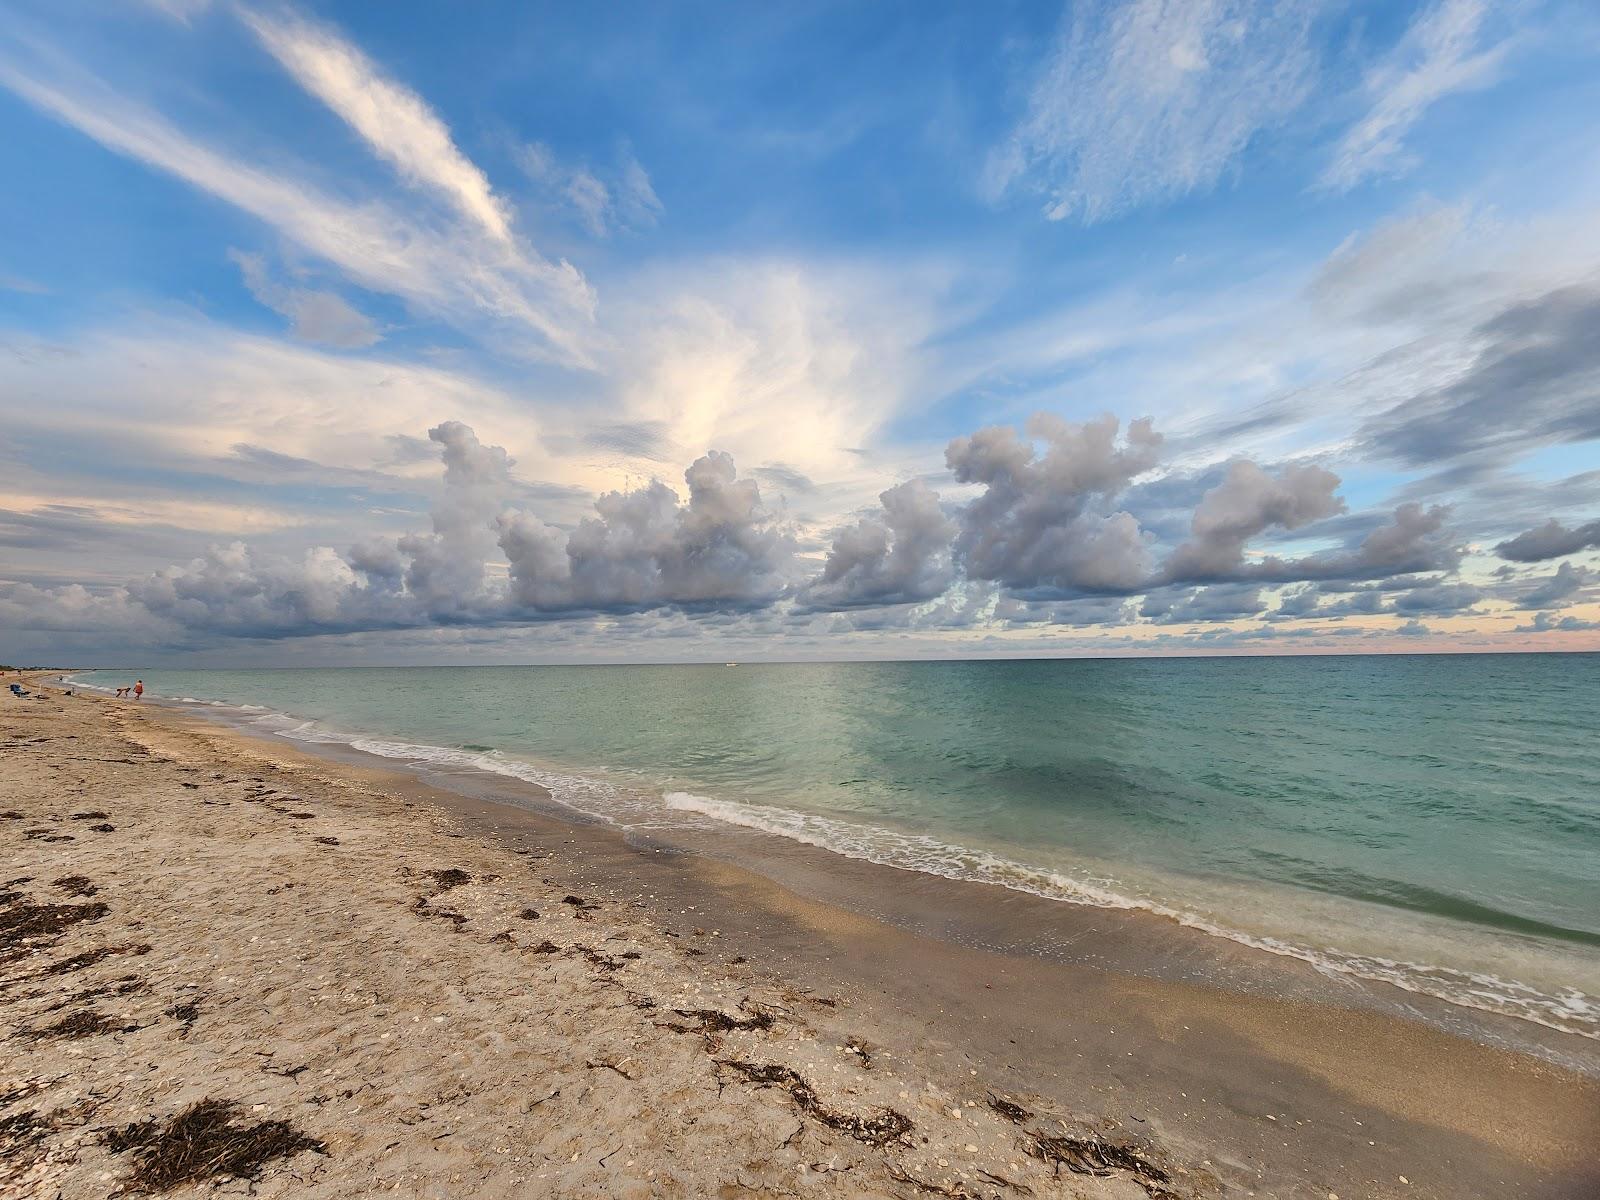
{"points": [[461, 272], [395, 122], [1151, 100], [1448, 49]]}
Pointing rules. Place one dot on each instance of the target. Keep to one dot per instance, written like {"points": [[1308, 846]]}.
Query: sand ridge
{"points": [[422, 1013]]}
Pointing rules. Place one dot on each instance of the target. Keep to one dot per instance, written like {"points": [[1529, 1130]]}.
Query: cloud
{"points": [[1445, 51], [459, 273], [1542, 352], [1217, 602], [898, 555], [1550, 540], [1246, 503], [1042, 519], [1152, 99], [1546, 622], [1557, 590], [645, 549], [603, 200], [323, 318], [394, 121], [1438, 598]]}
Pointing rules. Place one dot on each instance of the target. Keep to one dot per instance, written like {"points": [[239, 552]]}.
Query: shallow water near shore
{"points": [[1427, 822]]}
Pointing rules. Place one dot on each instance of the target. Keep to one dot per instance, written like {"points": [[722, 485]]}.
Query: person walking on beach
{"points": [[138, 689]]}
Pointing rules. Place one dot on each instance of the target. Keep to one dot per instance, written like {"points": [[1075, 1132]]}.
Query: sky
{"points": [[509, 332]]}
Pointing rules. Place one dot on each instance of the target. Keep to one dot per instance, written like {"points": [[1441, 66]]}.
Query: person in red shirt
{"points": [[138, 690]]}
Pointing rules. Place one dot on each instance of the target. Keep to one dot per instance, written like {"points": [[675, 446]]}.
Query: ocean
{"points": [[1431, 822]]}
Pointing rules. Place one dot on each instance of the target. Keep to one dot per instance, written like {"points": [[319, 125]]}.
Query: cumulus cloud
{"points": [[1550, 540], [1245, 504], [1546, 622], [900, 554], [1043, 519], [1557, 590], [644, 548], [1152, 99]]}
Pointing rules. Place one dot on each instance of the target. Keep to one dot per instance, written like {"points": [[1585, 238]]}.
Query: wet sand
{"points": [[1225, 1071]]}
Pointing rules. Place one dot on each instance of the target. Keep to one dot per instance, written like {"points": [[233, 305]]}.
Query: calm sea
{"points": [[1432, 822]]}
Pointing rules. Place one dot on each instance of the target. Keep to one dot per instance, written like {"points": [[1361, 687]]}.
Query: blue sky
{"points": [[528, 332]]}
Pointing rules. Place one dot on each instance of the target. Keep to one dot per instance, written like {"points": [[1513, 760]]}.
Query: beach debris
{"points": [[712, 1020], [529, 914], [449, 877], [81, 1024], [547, 947], [46, 835], [1094, 1155], [23, 924], [956, 1190], [90, 816], [1008, 1109], [76, 885], [580, 907], [597, 1064], [21, 1134], [875, 1129], [185, 1014], [862, 1049], [206, 1141], [326, 841], [103, 827]]}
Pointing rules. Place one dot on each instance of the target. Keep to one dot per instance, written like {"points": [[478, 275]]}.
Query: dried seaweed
{"points": [[27, 922], [1011, 1111], [90, 816], [206, 1141], [878, 1129], [711, 1020], [81, 1024], [76, 885], [449, 877], [1094, 1155]]}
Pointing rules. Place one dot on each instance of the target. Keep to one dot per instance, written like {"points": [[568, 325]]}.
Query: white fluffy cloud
{"points": [[1044, 518]]}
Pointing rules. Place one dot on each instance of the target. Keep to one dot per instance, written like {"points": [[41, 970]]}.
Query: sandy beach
{"points": [[226, 963]]}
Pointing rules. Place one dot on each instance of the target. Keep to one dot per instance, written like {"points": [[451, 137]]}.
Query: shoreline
{"points": [[1255, 1092], [1147, 937]]}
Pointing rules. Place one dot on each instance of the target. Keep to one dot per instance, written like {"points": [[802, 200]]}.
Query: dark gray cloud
{"points": [[900, 554], [1557, 590], [1215, 602], [1534, 380], [1550, 540], [1546, 622], [1440, 599], [1045, 518]]}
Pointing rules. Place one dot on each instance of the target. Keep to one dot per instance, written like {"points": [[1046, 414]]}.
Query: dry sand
{"points": [[400, 991]]}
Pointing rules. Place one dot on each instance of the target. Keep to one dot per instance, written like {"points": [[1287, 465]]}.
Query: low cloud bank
{"points": [[1046, 530]]}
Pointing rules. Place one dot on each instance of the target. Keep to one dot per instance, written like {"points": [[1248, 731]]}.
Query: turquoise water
{"points": [[1432, 822]]}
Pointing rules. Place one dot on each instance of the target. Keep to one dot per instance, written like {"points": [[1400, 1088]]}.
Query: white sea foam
{"points": [[1568, 1010]]}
